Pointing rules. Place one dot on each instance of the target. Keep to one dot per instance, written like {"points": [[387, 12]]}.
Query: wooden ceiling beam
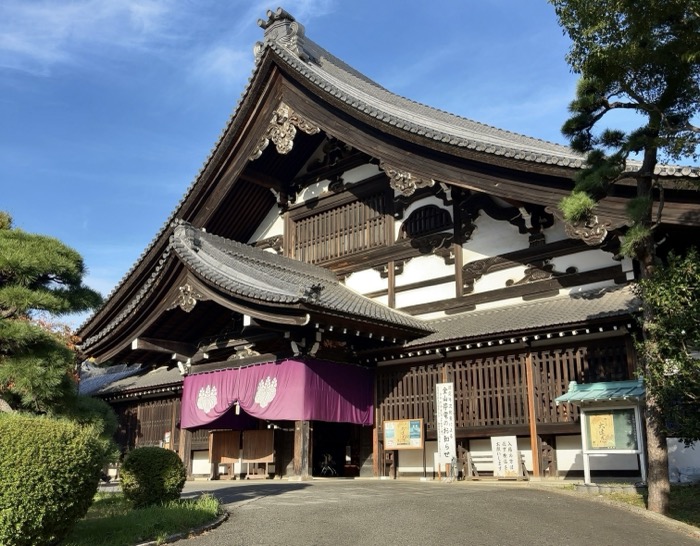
{"points": [[163, 346], [261, 179]]}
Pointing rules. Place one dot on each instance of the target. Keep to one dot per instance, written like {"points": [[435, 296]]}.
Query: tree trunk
{"points": [[658, 485]]}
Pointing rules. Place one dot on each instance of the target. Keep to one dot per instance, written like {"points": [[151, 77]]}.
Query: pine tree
{"points": [[644, 58], [39, 276]]}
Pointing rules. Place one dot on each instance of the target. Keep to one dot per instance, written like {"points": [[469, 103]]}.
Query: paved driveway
{"points": [[387, 513]]}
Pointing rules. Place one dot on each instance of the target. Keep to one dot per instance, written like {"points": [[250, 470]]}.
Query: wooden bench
{"points": [[468, 462]]}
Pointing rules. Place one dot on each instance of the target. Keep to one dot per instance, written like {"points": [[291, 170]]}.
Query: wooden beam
{"points": [[163, 346], [185, 450], [302, 450], [532, 416], [262, 179]]}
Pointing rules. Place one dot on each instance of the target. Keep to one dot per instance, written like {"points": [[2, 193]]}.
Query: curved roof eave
{"points": [[160, 240], [332, 77]]}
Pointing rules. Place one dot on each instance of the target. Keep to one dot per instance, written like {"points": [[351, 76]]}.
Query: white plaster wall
{"points": [[430, 200], [313, 191], [427, 294], [358, 174], [683, 462], [499, 279], [555, 233], [200, 462], [366, 281], [483, 447], [320, 188], [422, 268], [570, 457], [411, 460], [272, 225], [492, 237], [589, 260]]}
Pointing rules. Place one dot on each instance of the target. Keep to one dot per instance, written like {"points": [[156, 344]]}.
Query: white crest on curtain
{"points": [[206, 399], [267, 389]]}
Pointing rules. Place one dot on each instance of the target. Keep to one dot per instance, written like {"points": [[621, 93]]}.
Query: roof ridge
{"points": [[534, 303], [262, 257]]}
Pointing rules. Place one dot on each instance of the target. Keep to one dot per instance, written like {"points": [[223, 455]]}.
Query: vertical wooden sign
{"points": [[445, 420]]}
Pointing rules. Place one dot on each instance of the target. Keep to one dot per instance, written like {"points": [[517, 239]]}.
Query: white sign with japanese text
{"points": [[445, 421], [505, 456]]}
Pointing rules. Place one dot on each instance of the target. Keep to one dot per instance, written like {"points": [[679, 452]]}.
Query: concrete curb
{"points": [[188, 534], [602, 498]]}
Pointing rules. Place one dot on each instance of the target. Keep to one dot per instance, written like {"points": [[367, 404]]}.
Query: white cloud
{"points": [[35, 36], [223, 66]]}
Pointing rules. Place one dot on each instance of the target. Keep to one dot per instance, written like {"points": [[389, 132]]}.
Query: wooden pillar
{"points": [[302, 450], [459, 276], [185, 450], [376, 448], [391, 283], [532, 415]]}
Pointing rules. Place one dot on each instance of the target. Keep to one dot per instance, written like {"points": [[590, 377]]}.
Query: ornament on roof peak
{"points": [[281, 28]]}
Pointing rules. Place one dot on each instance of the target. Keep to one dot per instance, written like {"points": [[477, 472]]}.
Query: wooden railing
{"points": [[491, 391], [341, 231]]}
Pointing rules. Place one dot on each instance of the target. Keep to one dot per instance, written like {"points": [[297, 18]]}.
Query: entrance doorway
{"points": [[336, 449]]}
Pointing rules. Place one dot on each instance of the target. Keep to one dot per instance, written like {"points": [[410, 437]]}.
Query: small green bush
{"points": [[152, 475], [49, 471]]}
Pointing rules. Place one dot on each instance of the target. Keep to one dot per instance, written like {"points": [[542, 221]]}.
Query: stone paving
{"points": [[338, 512]]}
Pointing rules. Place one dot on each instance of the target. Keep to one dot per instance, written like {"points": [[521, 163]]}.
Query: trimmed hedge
{"points": [[152, 475], [49, 472]]}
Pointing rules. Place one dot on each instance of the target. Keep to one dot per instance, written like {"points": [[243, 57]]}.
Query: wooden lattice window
{"points": [[426, 220], [346, 229], [154, 420]]}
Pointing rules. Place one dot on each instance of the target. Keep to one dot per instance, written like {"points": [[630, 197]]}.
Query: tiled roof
{"points": [[336, 78], [154, 379], [93, 378], [561, 311], [607, 391], [333, 76], [261, 276]]}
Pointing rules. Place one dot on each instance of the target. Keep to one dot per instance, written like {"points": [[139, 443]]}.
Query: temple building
{"points": [[342, 255]]}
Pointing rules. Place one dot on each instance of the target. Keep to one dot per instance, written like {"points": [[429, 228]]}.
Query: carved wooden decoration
{"points": [[403, 181], [591, 232], [540, 272], [187, 298], [243, 352], [281, 28], [275, 243], [383, 269], [282, 130], [473, 271]]}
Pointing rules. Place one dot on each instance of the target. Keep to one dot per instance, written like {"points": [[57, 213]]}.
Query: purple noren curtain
{"points": [[291, 390]]}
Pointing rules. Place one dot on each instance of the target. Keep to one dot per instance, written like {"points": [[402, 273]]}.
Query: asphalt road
{"points": [[395, 512]]}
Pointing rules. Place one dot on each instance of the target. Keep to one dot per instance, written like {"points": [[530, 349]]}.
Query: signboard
{"points": [[403, 434], [505, 457], [445, 421], [611, 430]]}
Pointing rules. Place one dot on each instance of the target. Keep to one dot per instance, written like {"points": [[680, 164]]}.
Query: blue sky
{"points": [[109, 108]]}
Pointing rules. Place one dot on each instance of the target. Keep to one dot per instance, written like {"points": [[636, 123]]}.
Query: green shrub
{"points": [[152, 475], [49, 471]]}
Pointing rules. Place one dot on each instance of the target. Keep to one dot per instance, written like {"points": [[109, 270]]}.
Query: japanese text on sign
{"points": [[445, 421], [505, 456], [403, 434]]}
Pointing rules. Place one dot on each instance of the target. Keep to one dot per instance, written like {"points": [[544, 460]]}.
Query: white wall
{"points": [[570, 457], [200, 463], [683, 462], [271, 226], [411, 460], [366, 281]]}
